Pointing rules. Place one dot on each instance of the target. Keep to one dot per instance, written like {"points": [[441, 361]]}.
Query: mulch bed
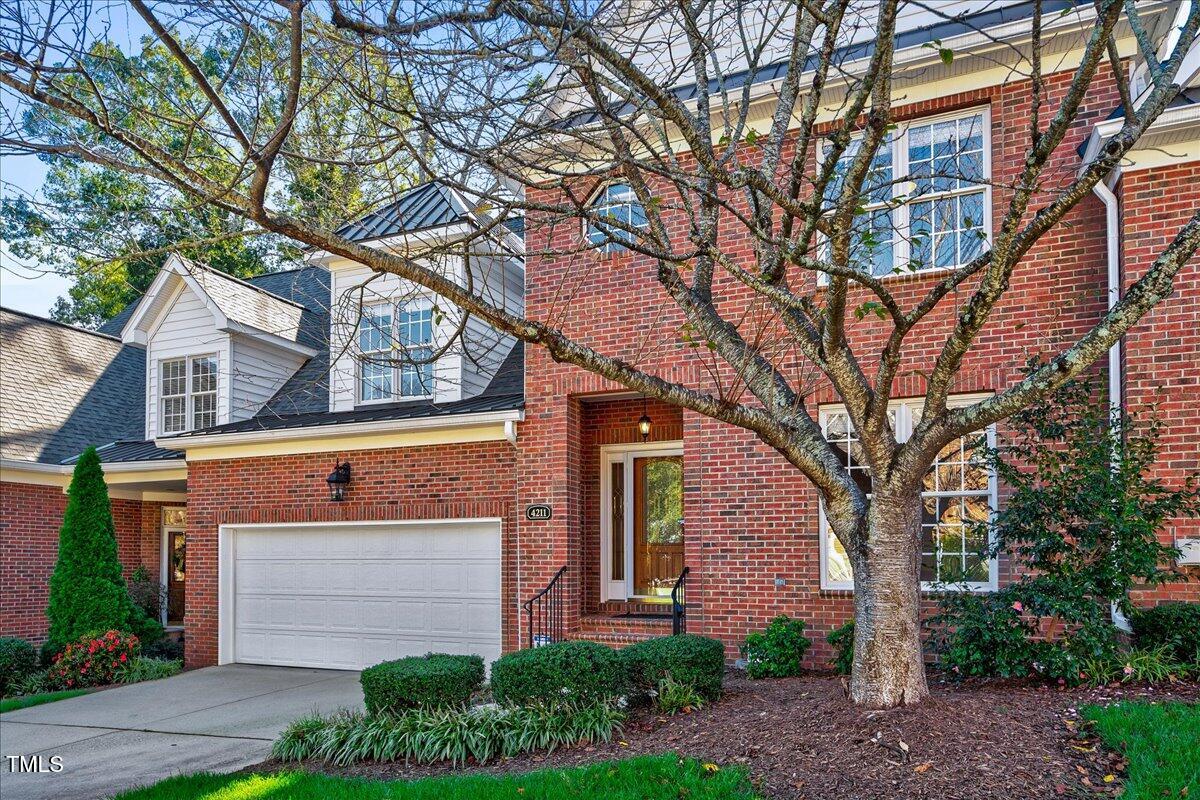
{"points": [[801, 738]]}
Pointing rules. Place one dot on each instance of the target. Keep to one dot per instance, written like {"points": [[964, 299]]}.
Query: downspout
{"points": [[1112, 230]]}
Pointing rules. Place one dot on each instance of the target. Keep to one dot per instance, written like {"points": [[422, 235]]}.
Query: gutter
{"points": [[345, 429], [111, 467]]}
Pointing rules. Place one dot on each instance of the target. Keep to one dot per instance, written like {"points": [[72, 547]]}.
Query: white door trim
{"points": [[612, 454], [164, 557]]}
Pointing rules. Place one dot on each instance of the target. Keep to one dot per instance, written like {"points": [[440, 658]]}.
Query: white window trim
{"points": [[903, 408], [613, 454], [188, 394], [395, 396], [902, 243], [610, 246]]}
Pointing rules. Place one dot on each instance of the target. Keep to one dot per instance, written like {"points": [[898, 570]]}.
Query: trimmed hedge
{"points": [[436, 680], [563, 671], [18, 659], [1175, 625], [688, 658]]}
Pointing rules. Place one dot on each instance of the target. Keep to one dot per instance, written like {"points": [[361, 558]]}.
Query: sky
{"points": [[24, 286]]}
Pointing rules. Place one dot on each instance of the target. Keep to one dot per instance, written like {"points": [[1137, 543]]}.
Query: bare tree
{"points": [[528, 105]]}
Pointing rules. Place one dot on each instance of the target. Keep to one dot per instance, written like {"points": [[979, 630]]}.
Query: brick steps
{"points": [[620, 631]]}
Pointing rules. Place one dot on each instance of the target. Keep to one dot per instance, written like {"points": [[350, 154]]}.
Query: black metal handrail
{"points": [[544, 613], [679, 603]]}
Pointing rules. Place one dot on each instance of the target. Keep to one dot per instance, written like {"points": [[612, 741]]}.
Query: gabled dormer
{"points": [[383, 329], [217, 348]]}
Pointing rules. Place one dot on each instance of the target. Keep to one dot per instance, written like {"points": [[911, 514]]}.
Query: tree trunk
{"points": [[889, 667]]}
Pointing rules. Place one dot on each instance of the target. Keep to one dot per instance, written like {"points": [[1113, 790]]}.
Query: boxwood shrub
{"points": [[1176, 625], [778, 651], [436, 680], [563, 671], [686, 659], [17, 660]]}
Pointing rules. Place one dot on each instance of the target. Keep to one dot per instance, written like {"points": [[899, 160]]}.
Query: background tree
{"points": [[87, 591], [758, 237], [111, 230]]}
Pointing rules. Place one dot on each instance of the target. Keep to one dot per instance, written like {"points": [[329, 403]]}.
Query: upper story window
{"points": [[959, 496], [396, 342], [927, 202], [617, 202], [188, 393]]}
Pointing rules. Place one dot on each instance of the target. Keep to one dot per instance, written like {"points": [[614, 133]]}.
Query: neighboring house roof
{"points": [[64, 388], [504, 393]]}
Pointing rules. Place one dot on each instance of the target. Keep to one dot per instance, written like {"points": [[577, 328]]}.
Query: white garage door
{"points": [[349, 596]]}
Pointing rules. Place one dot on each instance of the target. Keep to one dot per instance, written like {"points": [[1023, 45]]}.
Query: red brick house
{"points": [[478, 482]]}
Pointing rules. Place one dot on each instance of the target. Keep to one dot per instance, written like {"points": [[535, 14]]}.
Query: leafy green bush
{"points": [[431, 681], [1175, 625], [166, 648], [17, 660], [87, 592], [37, 682], [777, 651], [139, 669], [447, 734], [982, 636], [563, 671], [671, 697], [841, 639], [689, 659], [94, 660]]}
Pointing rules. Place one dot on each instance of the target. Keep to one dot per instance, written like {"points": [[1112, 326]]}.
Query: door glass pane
{"points": [[617, 515], [658, 524]]}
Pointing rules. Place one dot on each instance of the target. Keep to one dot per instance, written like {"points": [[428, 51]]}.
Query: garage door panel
{"points": [[346, 597]]}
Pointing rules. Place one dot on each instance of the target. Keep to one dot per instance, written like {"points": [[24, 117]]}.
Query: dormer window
{"points": [[188, 393], [617, 202], [396, 342]]}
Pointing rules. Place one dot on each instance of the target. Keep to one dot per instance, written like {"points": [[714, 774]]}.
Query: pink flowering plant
{"points": [[94, 659]]}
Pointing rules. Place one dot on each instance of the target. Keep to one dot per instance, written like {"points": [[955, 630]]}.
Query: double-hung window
{"points": [[396, 345], [958, 498], [926, 201], [188, 393]]}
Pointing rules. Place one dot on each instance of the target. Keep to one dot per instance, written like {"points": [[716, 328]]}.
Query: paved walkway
{"points": [[217, 719]]}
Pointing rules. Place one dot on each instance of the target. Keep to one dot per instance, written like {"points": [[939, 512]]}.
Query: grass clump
{"points": [[1161, 743], [664, 777], [446, 734]]}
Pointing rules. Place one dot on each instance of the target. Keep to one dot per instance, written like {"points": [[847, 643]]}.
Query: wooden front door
{"points": [[176, 575], [657, 524]]}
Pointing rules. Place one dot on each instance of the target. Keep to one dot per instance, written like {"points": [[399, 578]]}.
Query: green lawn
{"points": [[645, 778], [1162, 743], [30, 700]]}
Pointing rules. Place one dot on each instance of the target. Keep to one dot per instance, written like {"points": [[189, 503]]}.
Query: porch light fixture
{"points": [[338, 480], [645, 422]]}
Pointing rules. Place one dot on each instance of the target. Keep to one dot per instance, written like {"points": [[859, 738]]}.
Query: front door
{"points": [[641, 520]]}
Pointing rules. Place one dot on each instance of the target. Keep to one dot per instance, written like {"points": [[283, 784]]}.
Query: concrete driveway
{"points": [[217, 719]]}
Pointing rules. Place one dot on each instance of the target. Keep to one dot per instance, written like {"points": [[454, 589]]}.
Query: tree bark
{"points": [[889, 665]]}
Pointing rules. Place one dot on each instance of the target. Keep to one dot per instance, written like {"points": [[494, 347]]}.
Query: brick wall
{"points": [[30, 517], [1162, 353], [751, 517], [444, 481]]}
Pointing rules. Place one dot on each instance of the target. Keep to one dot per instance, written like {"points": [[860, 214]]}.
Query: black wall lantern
{"points": [[338, 480], [645, 422]]}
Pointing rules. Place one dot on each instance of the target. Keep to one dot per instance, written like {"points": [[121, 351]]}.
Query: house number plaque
{"points": [[538, 513]]}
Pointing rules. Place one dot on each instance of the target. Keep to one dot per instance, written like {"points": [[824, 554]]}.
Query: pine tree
{"points": [[87, 592]]}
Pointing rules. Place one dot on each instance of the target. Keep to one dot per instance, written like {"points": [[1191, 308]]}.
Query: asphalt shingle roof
{"points": [[64, 388]]}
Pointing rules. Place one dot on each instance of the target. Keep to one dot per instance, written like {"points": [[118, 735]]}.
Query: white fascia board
{"points": [[273, 339], [1170, 120], [347, 429], [413, 245], [132, 332], [111, 467]]}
